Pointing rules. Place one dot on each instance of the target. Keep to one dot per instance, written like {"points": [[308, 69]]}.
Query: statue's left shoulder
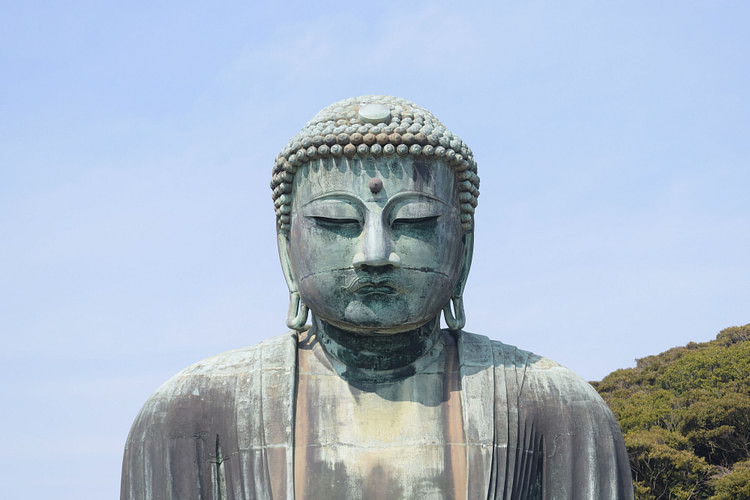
{"points": [[533, 379], [548, 412], [564, 383], [558, 399]]}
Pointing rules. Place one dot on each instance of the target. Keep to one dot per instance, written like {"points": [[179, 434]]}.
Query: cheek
{"points": [[451, 249], [315, 250], [441, 250], [324, 290]]}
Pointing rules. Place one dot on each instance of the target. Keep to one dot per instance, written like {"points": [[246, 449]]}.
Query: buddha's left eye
{"points": [[416, 213], [421, 222]]}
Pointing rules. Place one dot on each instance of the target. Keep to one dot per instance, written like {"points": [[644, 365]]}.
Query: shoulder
{"points": [[539, 402], [240, 360], [273, 353], [172, 441], [214, 381], [554, 397], [534, 376]]}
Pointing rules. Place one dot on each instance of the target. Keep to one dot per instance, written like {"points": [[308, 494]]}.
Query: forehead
{"points": [[352, 175]]}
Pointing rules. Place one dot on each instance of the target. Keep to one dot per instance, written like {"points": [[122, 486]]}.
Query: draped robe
{"points": [[224, 429]]}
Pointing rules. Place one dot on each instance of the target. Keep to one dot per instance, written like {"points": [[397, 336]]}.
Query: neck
{"points": [[378, 354]]}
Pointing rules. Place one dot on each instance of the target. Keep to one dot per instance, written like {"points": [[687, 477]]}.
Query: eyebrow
{"points": [[335, 195], [406, 195]]}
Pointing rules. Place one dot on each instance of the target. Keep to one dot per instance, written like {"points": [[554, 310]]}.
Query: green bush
{"points": [[735, 485], [685, 416]]}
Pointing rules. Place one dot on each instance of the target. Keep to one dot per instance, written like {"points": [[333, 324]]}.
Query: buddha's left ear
{"points": [[457, 320], [296, 316]]}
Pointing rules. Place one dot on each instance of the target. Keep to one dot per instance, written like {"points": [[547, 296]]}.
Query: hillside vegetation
{"points": [[685, 416]]}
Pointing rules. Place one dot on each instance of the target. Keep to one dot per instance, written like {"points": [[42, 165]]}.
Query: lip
{"points": [[366, 287], [371, 289]]}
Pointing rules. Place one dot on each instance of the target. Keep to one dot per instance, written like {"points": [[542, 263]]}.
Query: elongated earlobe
{"points": [[296, 316], [456, 319]]}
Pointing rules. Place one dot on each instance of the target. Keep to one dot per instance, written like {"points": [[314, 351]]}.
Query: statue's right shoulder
{"points": [[173, 443], [212, 382], [276, 353], [208, 389]]}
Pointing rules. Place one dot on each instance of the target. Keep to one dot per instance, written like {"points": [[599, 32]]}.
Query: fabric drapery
{"points": [[224, 429]]}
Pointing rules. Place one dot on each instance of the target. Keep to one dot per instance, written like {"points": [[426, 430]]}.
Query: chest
{"points": [[403, 439]]}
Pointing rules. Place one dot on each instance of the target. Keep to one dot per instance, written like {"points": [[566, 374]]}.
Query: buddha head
{"points": [[375, 215]]}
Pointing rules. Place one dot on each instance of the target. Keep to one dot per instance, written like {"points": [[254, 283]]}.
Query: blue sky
{"points": [[137, 140]]}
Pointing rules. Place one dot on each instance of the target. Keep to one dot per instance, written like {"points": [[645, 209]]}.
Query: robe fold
{"points": [[224, 429]]}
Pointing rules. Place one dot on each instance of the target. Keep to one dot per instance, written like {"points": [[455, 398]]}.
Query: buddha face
{"points": [[375, 245]]}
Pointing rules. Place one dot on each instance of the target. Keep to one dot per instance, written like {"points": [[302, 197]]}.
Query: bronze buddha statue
{"points": [[375, 204]]}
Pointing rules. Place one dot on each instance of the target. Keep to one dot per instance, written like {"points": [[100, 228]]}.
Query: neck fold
{"points": [[379, 358]]}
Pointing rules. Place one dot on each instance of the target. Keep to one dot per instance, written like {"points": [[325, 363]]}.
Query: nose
{"points": [[376, 246]]}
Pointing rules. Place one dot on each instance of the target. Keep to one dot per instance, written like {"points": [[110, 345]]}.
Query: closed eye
{"points": [[335, 223], [415, 221]]}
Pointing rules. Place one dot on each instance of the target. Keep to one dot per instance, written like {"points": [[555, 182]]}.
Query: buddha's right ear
{"points": [[296, 316]]}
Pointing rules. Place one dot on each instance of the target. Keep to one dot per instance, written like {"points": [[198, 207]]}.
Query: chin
{"points": [[364, 318]]}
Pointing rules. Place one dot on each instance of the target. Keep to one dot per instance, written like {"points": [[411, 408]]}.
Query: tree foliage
{"points": [[685, 417]]}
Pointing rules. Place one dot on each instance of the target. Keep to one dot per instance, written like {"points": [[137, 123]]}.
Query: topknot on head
{"points": [[376, 126]]}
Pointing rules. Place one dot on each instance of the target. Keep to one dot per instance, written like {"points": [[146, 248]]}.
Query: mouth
{"points": [[366, 287]]}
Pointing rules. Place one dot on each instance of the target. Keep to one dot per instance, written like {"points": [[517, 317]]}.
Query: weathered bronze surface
{"points": [[374, 202]]}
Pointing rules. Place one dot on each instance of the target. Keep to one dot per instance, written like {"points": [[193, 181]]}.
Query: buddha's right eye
{"points": [[337, 224], [334, 221], [334, 214]]}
